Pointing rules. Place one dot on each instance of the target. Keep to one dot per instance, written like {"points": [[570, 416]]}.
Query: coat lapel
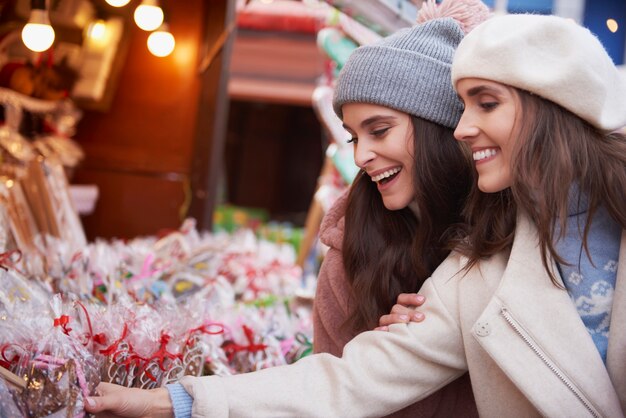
{"points": [[616, 354], [533, 329]]}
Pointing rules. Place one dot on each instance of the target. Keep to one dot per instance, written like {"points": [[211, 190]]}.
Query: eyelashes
{"points": [[489, 105], [378, 133]]}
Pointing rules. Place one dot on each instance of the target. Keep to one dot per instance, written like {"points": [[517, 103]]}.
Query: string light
{"points": [[118, 3], [97, 30], [161, 42], [612, 25], [148, 15], [37, 34], [97, 34]]}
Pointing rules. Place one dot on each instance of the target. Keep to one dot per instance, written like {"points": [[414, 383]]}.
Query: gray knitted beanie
{"points": [[408, 71]]}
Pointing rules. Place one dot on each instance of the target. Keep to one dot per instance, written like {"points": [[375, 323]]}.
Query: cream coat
{"points": [[520, 337]]}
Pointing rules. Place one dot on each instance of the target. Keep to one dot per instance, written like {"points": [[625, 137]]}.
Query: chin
{"points": [[492, 188], [487, 189], [394, 205]]}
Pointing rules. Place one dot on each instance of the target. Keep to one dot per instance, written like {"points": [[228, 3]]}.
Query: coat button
{"points": [[482, 329]]}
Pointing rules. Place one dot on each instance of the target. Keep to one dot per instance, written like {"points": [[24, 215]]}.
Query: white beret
{"points": [[550, 56]]}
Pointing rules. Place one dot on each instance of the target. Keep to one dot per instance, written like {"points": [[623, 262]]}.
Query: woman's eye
{"points": [[352, 140], [489, 105], [379, 132]]}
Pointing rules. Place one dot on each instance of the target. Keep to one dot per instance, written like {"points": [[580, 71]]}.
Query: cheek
{"points": [[508, 137], [408, 174], [408, 188], [507, 158]]}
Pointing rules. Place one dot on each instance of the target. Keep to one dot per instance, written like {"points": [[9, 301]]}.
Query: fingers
{"points": [[94, 404], [120, 401], [105, 388], [106, 400], [403, 312], [387, 320], [410, 299], [400, 315]]}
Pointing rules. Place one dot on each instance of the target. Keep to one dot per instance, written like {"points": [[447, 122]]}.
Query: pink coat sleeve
{"points": [[330, 309]]}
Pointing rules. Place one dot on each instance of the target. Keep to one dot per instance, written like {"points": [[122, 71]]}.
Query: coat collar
{"points": [[546, 314], [616, 355]]}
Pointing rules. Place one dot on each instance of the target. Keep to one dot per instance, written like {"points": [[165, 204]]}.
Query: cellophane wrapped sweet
{"points": [[146, 312], [57, 368]]}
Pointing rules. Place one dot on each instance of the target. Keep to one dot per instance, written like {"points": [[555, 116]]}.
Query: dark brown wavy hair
{"points": [[554, 150], [386, 252]]}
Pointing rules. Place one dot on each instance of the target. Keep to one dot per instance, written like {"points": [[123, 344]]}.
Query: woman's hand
{"points": [[403, 311], [120, 401]]}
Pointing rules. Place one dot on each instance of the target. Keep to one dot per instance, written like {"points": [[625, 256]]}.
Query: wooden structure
{"points": [[155, 154]]}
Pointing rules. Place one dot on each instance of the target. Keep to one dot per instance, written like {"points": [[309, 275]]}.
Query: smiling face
{"points": [[383, 148], [488, 127]]}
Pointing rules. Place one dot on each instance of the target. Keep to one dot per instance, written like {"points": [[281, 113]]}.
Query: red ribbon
{"points": [[99, 338], [133, 358], [8, 257], [204, 329], [90, 335], [5, 361], [62, 322], [160, 355], [231, 348], [114, 352], [7, 262], [112, 349]]}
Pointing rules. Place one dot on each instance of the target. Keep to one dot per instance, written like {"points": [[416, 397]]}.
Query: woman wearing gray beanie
{"points": [[388, 234], [396, 100]]}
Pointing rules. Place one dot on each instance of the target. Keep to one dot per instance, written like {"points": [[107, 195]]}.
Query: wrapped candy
{"points": [[145, 312], [147, 353], [60, 374], [8, 406], [55, 386]]}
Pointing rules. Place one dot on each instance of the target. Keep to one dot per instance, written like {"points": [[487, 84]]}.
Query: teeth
{"points": [[386, 174], [482, 154]]}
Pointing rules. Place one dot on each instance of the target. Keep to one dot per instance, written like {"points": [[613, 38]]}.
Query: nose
{"points": [[466, 129], [363, 153]]}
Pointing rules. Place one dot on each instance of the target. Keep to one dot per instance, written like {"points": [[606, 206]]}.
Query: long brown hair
{"points": [[555, 149], [389, 252]]}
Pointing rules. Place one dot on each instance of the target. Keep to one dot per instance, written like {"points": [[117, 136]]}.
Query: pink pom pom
{"points": [[469, 13]]}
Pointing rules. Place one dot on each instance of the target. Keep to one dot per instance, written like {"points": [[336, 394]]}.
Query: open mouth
{"points": [[387, 176], [484, 154]]}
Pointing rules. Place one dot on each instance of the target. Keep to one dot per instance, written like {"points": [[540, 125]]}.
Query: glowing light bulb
{"points": [[148, 15], [97, 30], [118, 3], [612, 25], [97, 34], [161, 42], [37, 34]]}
